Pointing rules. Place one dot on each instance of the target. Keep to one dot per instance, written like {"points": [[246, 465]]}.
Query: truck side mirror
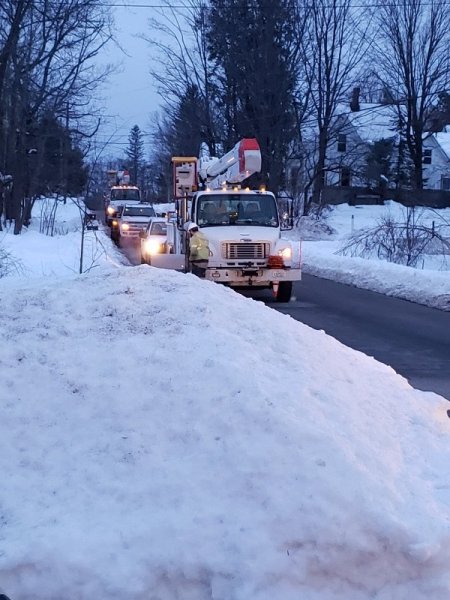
{"points": [[143, 234]]}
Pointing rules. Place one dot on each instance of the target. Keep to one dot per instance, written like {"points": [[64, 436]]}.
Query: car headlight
{"points": [[152, 247], [110, 210], [286, 253], [125, 227]]}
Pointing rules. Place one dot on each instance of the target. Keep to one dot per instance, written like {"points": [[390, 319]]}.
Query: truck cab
{"points": [[118, 196], [243, 228]]}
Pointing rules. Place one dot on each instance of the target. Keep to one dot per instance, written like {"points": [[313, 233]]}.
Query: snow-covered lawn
{"points": [[429, 285], [34, 255], [163, 438]]}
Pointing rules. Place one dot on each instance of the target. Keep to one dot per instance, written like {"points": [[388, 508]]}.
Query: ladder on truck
{"points": [[234, 167], [190, 174]]}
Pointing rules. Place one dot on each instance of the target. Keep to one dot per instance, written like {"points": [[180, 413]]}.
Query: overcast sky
{"points": [[130, 97]]}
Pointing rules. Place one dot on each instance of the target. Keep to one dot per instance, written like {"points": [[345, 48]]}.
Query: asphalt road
{"points": [[413, 339]]}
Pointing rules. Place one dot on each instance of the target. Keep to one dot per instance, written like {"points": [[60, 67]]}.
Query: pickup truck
{"points": [[130, 220]]}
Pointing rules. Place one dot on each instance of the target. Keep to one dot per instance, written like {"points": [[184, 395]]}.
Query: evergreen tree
{"points": [[135, 154], [439, 116], [253, 46], [186, 123], [379, 161]]}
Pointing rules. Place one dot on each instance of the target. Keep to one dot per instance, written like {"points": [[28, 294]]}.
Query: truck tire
{"points": [[284, 291]]}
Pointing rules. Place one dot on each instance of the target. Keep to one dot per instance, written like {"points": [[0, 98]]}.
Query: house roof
{"points": [[443, 139], [373, 122]]}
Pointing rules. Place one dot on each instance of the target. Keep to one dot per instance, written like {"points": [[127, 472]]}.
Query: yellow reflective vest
{"points": [[198, 247]]}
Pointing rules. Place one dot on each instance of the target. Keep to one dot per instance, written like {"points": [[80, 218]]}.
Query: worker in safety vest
{"points": [[198, 250]]}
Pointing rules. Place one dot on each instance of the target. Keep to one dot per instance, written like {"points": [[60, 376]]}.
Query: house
{"points": [[436, 160], [355, 134], [364, 159]]}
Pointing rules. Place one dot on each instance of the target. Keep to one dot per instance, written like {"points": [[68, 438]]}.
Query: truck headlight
{"points": [[286, 253], [152, 247], [110, 210], [125, 227]]}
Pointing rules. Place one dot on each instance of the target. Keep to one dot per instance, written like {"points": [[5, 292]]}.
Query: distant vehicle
{"points": [[154, 240], [120, 195], [90, 221], [130, 220]]}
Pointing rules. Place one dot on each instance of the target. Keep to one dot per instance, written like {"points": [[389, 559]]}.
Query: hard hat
{"points": [[192, 226]]}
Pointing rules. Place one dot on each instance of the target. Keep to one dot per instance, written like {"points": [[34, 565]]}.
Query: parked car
{"points": [[131, 219], [154, 240], [90, 221]]}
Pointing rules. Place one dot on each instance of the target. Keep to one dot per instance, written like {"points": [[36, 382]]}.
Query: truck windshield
{"points": [[242, 208], [138, 211], [158, 228], [125, 194]]}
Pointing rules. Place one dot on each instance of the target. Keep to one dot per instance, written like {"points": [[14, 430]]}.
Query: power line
{"points": [[308, 6]]}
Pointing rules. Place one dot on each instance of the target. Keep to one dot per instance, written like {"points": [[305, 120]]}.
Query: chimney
{"points": [[354, 104]]}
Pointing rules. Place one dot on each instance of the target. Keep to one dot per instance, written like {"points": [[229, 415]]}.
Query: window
{"points": [[138, 211], [243, 208], [158, 228], [445, 184], [342, 142], [426, 158], [125, 194], [345, 177]]}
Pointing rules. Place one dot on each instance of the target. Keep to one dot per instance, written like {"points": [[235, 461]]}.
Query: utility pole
{"points": [[64, 154]]}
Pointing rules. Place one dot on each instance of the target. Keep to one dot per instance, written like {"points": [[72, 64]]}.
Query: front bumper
{"points": [[133, 231], [258, 277]]}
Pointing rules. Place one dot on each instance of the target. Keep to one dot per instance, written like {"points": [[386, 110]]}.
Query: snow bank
{"points": [[431, 288], [163, 437]]}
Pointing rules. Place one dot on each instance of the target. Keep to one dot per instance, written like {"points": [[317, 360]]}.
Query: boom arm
{"points": [[238, 164]]}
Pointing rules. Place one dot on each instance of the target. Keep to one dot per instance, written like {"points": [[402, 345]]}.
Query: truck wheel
{"points": [[284, 291]]}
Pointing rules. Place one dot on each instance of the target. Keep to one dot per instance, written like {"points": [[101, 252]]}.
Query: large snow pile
{"points": [[163, 437]]}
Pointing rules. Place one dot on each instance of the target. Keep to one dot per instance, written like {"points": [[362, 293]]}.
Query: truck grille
{"points": [[134, 229], [245, 250]]}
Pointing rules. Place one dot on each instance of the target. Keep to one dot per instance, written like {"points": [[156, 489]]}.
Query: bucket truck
{"points": [[243, 226], [120, 193]]}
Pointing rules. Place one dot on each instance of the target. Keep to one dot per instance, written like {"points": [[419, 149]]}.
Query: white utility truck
{"points": [[243, 226], [120, 193]]}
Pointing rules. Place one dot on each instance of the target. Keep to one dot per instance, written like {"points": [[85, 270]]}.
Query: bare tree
{"points": [[404, 242], [49, 69], [333, 46], [413, 53], [182, 63], [12, 16]]}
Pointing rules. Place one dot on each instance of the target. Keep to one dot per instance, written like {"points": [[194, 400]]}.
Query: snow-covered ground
{"points": [[163, 437], [34, 255], [429, 285]]}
